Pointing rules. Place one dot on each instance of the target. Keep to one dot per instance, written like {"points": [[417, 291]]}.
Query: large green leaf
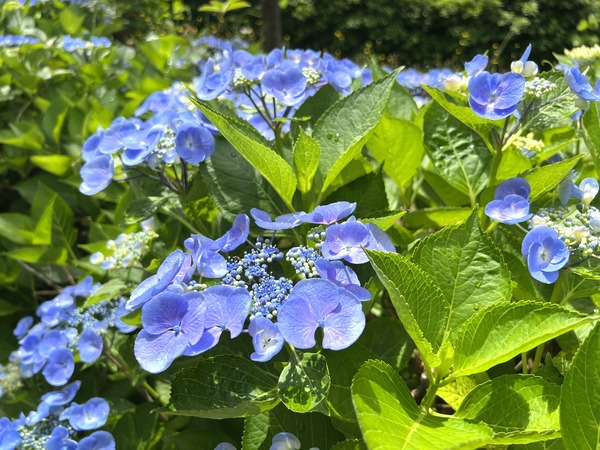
{"points": [[519, 408], [390, 419], [307, 154], [580, 399], [591, 132], [347, 125], [387, 338], [463, 113], [502, 330], [398, 145], [421, 306], [255, 150], [235, 185], [222, 387], [304, 383], [545, 178], [312, 429], [458, 153], [343, 365], [467, 267]]}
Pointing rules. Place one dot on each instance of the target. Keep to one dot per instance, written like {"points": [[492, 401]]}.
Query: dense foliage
{"points": [[206, 247]]}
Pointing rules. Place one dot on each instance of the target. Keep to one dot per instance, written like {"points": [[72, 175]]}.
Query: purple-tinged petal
{"points": [[90, 346], [59, 368], [328, 214], [284, 222], [155, 353]]}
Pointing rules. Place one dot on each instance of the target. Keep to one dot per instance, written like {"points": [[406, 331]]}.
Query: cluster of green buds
{"points": [[527, 145], [538, 87], [584, 55], [127, 249]]}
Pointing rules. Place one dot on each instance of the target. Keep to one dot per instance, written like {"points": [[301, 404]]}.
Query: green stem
{"points": [[554, 298], [429, 396], [524, 363], [539, 352]]}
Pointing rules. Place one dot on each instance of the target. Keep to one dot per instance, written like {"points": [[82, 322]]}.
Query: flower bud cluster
{"points": [[538, 86], [527, 145], [303, 260], [127, 249], [584, 55]]}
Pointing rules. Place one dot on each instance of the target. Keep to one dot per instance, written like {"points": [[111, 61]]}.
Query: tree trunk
{"points": [[271, 25]]}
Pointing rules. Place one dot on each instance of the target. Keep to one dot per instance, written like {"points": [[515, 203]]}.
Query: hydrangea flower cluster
{"points": [[584, 55], [555, 234], [127, 249], [64, 329], [183, 316], [72, 44], [538, 86], [57, 422], [12, 40], [527, 145], [268, 89]]}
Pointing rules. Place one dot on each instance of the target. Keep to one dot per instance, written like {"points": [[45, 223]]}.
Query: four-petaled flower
{"points": [[496, 96], [545, 254]]}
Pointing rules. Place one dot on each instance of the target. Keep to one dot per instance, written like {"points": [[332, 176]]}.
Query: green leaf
{"points": [[255, 150], [401, 104], [455, 392], [591, 132], [367, 191], [133, 319], [235, 185], [221, 387], [25, 135], [464, 114], [546, 178], [519, 408], [54, 118], [160, 51], [458, 153], [389, 417], [312, 429], [384, 220], [112, 289], [420, 305], [55, 164], [398, 145], [387, 338], [350, 444], [343, 365], [466, 266], [70, 20], [143, 208], [580, 398], [135, 429], [17, 228], [346, 127], [435, 217], [502, 330], [307, 154], [304, 383], [313, 108]]}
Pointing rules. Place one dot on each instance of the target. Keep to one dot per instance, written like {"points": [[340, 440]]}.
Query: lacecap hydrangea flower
{"points": [[511, 202]]}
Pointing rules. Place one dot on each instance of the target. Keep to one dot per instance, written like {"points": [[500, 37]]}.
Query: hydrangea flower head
{"points": [[545, 254], [315, 303], [580, 84], [511, 202], [266, 338], [496, 96], [171, 323]]}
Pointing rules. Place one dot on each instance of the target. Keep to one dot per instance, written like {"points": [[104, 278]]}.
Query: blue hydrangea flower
{"points": [[171, 323], [98, 440], [511, 202], [89, 416], [587, 190], [343, 276], [9, 436], [315, 303], [476, 65], [96, 174], [227, 309], [523, 66], [59, 440], [287, 86], [214, 80], [580, 84], [60, 367], [496, 96], [545, 254], [194, 143], [283, 222], [176, 267], [266, 338], [90, 346], [328, 214], [347, 240], [62, 397], [285, 441]]}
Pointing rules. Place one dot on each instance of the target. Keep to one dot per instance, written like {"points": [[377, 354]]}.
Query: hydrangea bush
{"points": [[285, 250]]}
